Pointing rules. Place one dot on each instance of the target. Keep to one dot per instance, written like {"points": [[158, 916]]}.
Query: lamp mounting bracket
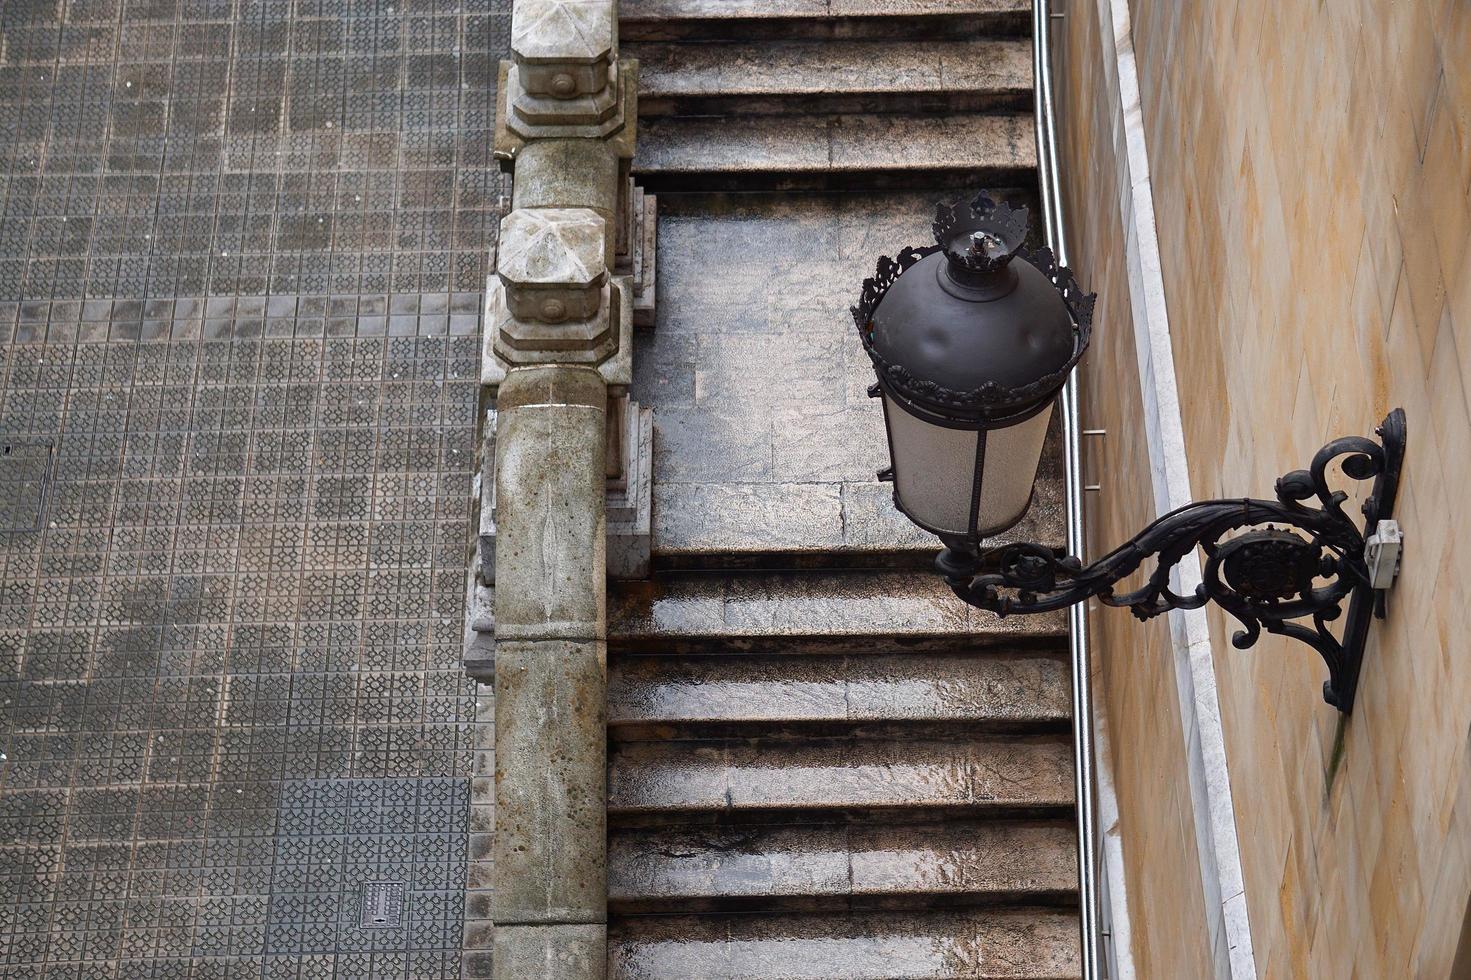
{"points": [[1296, 562]]}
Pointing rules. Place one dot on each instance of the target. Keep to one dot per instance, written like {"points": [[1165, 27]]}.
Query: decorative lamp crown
{"points": [[980, 238]]}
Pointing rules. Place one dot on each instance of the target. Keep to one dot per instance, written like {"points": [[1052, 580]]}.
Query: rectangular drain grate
{"points": [[25, 474], [382, 905]]}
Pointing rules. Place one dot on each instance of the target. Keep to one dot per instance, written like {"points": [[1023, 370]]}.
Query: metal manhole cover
{"points": [[25, 474], [381, 906]]}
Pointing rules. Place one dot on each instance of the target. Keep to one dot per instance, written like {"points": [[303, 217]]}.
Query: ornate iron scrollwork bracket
{"points": [[1299, 563]]}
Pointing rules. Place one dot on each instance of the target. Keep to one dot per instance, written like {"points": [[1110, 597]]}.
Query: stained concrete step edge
{"points": [[814, 525], [1021, 944], [661, 697], [733, 776], [683, 869], [811, 612], [991, 74], [694, 20], [834, 152]]}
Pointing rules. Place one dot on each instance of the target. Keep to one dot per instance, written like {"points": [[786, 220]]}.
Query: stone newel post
{"points": [[558, 361]]}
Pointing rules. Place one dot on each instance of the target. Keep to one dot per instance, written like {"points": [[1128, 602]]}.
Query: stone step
{"points": [[674, 780], [819, 19], [834, 152], [839, 525], [990, 74], [811, 612], [841, 866], [655, 697], [1022, 944]]}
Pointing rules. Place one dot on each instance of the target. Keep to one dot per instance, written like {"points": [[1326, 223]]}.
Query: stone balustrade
{"points": [[574, 261]]}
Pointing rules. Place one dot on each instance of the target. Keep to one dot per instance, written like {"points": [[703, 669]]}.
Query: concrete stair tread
{"points": [[662, 697], [814, 525], [975, 862], [786, 612], [1023, 944], [832, 150], [832, 76], [715, 19], [974, 774]]}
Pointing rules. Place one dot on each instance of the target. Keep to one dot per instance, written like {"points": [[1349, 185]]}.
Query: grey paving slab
{"points": [[242, 250], [230, 694], [321, 147]]}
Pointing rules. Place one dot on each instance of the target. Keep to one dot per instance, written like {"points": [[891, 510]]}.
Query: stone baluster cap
{"points": [[550, 261], [564, 48]]}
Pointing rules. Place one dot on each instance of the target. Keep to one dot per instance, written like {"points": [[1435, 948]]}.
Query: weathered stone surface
{"points": [[551, 262], [837, 152], [679, 869], [569, 173], [628, 503], [834, 76], [887, 609], [523, 117], [741, 775], [752, 693], [550, 719], [550, 561], [605, 342], [566, 68], [1036, 944], [720, 523], [571, 31], [591, 108], [479, 649], [766, 442], [551, 952], [883, 20]]}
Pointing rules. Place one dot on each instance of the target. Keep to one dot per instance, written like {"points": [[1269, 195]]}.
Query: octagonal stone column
{"points": [[549, 903], [558, 320]]}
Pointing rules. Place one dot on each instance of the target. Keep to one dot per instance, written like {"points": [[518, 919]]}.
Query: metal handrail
{"points": [[1083, 774]]}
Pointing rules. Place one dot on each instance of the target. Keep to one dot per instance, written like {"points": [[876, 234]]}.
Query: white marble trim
{"points": [[1227, 922]]}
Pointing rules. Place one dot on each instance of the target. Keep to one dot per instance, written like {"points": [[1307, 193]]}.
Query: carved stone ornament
{"points": [[550, 261], [564, 48]]}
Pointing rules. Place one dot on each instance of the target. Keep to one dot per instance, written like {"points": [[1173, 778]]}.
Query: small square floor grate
{"points": [[25, 475], [382, 905]]}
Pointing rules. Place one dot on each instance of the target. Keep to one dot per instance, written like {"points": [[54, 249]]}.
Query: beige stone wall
{"points": [[1311, 166], [1133, 664]]}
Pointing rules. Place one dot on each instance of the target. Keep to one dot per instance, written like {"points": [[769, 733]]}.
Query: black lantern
{"points": [[972, 338]]}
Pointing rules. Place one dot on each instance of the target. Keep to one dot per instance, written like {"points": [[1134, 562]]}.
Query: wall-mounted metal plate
{"points": [[25, 476], [381, 905]]}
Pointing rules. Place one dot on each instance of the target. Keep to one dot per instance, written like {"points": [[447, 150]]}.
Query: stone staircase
{"points": [[818, 768], [829, 98]]}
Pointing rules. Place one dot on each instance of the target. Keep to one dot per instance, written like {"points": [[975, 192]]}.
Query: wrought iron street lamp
{"points": [[973, 337]]}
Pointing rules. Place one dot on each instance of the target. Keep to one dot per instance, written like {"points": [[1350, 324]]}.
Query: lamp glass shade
{"points": [[963, 482], [1009, 471], [934, 470]]}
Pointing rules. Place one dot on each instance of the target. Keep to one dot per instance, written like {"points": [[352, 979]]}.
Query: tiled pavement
{"points": [[229, 648], [159, 148], [242, 244]]}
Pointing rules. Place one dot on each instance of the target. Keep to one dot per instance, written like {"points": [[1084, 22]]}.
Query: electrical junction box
{"points": [[1382, 554]]}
